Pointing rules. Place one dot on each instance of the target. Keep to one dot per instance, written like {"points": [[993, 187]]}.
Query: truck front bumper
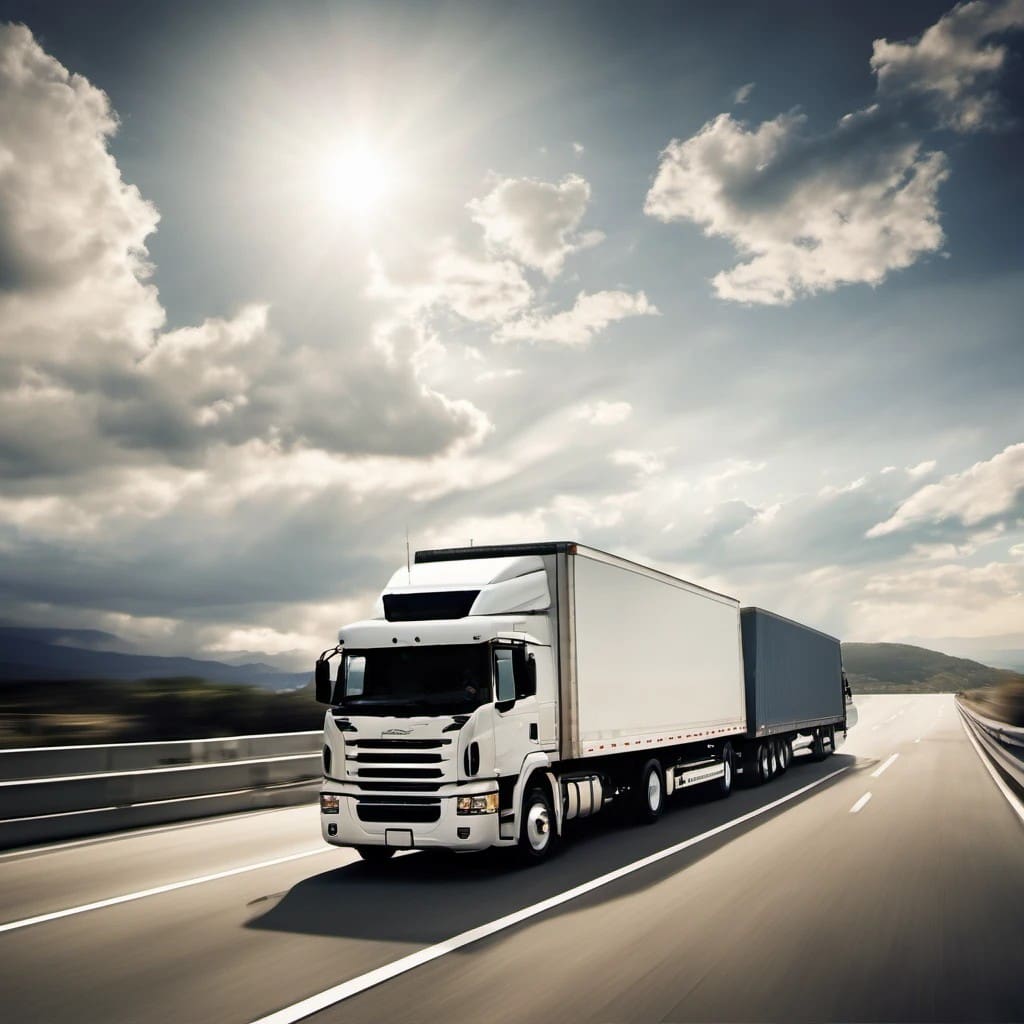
{"points": [[451, 831]]}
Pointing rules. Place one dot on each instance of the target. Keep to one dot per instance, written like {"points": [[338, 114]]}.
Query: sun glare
{"points": [[356, 179]]}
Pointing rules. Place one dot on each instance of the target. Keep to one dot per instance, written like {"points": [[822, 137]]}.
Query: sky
{"points": [[733, 289]]}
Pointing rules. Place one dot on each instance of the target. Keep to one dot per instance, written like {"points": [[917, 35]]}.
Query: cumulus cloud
{"points": [[602, 413], [954, 64], [922, 468], [534, 221], [73, 258], [89, 379], [982, 492], [645, 463], [742, 94], [942, 600], [589, 315], [809, 212], [479, 289]]}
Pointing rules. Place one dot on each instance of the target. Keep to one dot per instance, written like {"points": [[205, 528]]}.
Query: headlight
{"points": [[330, 803], [485, 803]]}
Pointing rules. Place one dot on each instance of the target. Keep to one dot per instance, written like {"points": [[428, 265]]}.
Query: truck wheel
{"points": [[650, 796], [537, 832], [764, 763], [785, 755], [375, 854], [723, 787], [773, 758], [824, 742]]}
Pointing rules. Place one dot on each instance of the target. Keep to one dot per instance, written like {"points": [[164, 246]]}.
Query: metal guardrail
{"points": [[51, 793], [1003, 744]]}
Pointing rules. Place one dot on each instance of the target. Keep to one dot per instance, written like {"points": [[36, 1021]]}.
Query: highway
{"points": [[884, 884]]}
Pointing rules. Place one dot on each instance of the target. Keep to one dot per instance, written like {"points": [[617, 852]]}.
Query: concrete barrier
{"points": [[40, 762], [82, 791]]}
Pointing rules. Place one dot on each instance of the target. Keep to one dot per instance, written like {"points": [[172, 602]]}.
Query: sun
{"points": [[356, 179]]}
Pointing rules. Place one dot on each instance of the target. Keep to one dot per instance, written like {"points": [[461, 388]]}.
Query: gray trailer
{"points": [[793, 681]]}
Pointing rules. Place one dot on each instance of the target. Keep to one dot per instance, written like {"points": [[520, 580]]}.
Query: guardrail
{"points": [[51, 793], [1003, 744]]}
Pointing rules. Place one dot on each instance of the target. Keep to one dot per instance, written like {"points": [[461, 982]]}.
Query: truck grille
{"points": [[416, 809], [390, 744], [398, 765]]}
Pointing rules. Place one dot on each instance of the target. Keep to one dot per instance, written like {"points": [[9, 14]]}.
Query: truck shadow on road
{"points": [[424, 898]]}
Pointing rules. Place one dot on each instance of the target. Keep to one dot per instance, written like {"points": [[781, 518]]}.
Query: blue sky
{"points": [[734, 289]]}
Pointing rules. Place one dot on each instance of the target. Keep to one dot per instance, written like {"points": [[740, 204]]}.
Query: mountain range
{"points": [[903, 668], [28, 653]]}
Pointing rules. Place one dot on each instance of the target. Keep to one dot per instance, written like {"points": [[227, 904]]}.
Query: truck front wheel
{"points": [[375, 854], [537, 830]]}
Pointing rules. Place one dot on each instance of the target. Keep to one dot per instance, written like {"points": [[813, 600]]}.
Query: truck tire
{"points": [[824, 742], [375, 854], [537, 829], [763, 772], [650, 793], [723, 787], [785, 755]]}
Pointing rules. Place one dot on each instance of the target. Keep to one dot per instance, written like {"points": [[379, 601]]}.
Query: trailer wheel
{"points": [[650, 796], [724, 785], [824, 742], [537, 829], [764, 762], [785, 754], [375, 854]]}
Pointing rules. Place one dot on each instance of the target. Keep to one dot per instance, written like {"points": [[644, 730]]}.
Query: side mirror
{"points": [[504, 705], [324, 684], [531, 675]]}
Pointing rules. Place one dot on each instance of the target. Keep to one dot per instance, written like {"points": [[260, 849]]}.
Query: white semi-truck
{"points": [[501, 692]]}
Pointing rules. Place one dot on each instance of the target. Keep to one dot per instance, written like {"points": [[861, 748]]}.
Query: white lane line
{"points": [[1011, 797], [347, 989], [881, 768], [129, 897], [860, 803]]}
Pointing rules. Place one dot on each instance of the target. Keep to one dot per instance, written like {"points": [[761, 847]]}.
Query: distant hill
{"points": [[39, 654], [902, 668]]}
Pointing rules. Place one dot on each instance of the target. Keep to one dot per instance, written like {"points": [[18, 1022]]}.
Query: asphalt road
{"points": [[910, 908]]}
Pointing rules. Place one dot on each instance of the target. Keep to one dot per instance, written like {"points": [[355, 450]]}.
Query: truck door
{"points": [[516, 729]]}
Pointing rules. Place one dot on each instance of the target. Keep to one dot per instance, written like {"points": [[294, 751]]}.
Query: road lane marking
{"points": [[129, 897], [1011, 798], [347, 989], [858, 806], [881, 768]]}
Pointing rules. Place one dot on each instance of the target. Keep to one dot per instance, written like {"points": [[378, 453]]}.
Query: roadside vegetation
{"points": [[42, 714], [1004, 703]]}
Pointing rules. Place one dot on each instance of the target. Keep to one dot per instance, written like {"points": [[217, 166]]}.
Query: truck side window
{"points": [[525, 672], [355, 670], [504, 675]]}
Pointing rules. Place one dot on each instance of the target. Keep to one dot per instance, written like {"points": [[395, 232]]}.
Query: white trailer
{"points": [[501, 692]]}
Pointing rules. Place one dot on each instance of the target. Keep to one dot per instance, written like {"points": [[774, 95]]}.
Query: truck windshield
{"points": [[416, 680]]}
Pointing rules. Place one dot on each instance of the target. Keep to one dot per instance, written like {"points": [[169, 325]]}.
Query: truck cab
{"points": [[440, 707]]}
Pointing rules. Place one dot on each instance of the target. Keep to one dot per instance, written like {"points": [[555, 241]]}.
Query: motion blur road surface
{"points": [[909, 908]]}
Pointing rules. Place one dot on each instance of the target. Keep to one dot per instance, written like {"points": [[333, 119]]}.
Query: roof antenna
{"points": [[408, 562]]}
